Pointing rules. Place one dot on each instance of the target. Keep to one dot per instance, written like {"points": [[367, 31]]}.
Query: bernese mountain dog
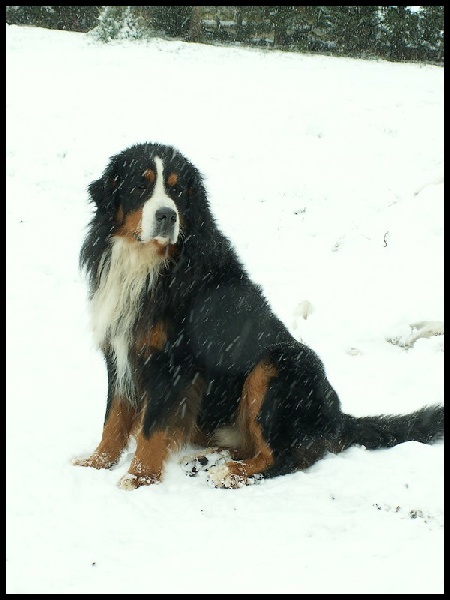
{"points": [[194, 354]]}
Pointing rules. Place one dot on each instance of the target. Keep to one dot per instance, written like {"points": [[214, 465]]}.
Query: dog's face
{"points": [[146, 192]]}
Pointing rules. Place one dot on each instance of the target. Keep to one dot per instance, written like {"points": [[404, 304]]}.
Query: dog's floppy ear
{"points": [[104, 191]]}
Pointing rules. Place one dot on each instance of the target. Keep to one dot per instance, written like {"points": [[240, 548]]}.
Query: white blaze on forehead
{"points": [[159, 199], [159, 191]]}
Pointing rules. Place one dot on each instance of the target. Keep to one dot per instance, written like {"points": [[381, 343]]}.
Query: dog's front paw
{"points": [[131, 482], [98, 460]]}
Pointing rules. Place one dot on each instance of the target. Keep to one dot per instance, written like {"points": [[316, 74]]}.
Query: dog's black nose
{"points": [[166, 216]]}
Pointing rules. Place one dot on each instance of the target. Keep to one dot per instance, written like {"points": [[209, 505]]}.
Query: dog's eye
{"points": [[141, 187]]}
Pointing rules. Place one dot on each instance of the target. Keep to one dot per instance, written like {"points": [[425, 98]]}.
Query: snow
{"points": [[327, 174]]}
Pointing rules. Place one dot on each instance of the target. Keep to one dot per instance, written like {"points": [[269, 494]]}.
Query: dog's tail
{"points": [[425, 425]]}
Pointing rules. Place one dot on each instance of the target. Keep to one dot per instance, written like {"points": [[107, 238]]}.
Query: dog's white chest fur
{"points": [[115, 304]]}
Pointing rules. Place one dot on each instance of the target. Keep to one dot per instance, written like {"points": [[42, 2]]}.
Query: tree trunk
{"points": [[195, 27]]}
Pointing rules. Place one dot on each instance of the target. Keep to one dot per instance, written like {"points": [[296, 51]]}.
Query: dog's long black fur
{"points": [[194, 353]]}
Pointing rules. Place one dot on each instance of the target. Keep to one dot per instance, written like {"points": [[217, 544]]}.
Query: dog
{"points": [[194, 354]]}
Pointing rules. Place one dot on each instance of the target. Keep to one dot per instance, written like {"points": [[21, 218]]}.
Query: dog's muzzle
{"points": [[161, 222], [165, 222]]}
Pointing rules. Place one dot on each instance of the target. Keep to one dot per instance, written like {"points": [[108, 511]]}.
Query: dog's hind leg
{"points": [[234, 474]]}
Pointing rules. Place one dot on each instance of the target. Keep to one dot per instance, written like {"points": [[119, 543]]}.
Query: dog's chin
{"points": [[159, 241], [160, 247], [162, 241]]}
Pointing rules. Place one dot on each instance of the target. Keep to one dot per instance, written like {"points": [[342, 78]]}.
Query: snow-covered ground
{"points": [[338, 164]]}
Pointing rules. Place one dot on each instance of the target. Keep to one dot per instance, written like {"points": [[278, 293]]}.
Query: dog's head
{"points": [[148, 193]]}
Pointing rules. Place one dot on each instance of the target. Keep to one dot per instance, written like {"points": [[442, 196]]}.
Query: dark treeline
{"points": [[399, 33]]}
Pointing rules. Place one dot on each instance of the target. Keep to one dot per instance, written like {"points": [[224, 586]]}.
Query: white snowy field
{"points": [[338, 166]]}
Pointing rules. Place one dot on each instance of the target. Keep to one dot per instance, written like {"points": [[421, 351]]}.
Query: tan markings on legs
{"points": [[137, 421], [253, 394], [148, 461], [254, 446], [116, 432]]}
